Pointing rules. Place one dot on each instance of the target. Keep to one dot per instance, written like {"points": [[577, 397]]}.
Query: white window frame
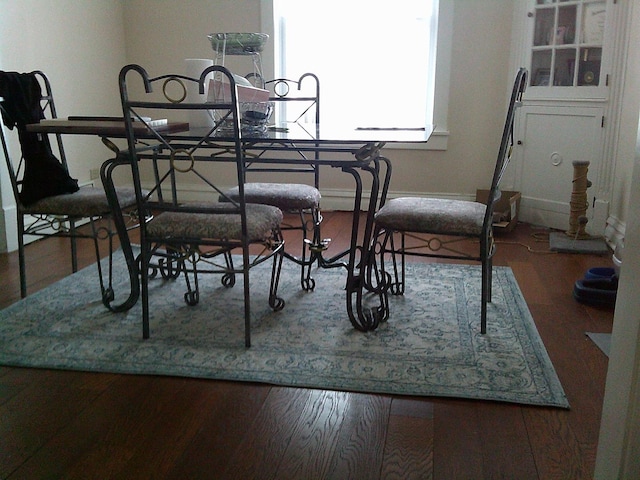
{"points": [[439, 139]]}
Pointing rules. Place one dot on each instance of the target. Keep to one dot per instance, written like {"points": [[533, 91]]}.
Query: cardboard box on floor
{"points": [[505, 214]]}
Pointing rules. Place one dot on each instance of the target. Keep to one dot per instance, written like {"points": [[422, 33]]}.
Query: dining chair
{"points": [[187, 231], [48, 200], [433, 227], [294, 101]]}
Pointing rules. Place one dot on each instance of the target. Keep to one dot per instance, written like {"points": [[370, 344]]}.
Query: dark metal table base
{"points": [[366, 297]]}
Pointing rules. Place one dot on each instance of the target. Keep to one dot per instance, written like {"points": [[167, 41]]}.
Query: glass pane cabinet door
{"points": [[568, 38]]}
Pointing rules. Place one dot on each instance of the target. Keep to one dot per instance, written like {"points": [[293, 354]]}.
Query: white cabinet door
{"points": [[551, 139]]}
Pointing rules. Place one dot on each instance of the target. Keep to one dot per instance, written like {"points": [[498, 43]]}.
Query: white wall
{"points": [[80, 45], [624, 149], [619, 442]]}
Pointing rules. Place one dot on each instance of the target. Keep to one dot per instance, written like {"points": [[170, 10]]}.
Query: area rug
{"points": [[430, 346]]}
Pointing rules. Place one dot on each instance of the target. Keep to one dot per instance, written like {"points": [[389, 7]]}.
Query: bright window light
{"points": [[375, 59]]}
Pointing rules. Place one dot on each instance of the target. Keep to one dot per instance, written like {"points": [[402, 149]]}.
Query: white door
{"points": [[550, 139]]}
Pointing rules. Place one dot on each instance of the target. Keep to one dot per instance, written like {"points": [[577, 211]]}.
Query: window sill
{"points": [[439, 141]]}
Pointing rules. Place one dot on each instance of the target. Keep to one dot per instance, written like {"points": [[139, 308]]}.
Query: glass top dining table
{"points": [[326, 133], [355, 150]]}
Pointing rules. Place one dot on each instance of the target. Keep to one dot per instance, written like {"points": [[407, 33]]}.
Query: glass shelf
{"points": [[566, 49]]}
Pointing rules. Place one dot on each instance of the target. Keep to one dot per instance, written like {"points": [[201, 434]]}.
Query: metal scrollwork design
{"points": [[370, 150], [188, 156], [167, 82], [281, 88]]}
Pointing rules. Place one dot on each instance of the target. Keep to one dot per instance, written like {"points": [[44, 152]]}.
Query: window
{"points": [[376, 60]]}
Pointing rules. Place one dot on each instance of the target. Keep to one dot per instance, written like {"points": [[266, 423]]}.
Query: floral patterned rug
{"points": [[430, 346]]}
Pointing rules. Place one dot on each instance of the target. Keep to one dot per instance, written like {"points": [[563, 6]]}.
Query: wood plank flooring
{"points": [[61, 424]]}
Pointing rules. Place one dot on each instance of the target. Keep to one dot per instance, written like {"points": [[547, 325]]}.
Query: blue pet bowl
{"points": [[599, 273], [598, 292]]}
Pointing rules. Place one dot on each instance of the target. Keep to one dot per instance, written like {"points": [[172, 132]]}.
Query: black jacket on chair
{"points": [[44, 174]]}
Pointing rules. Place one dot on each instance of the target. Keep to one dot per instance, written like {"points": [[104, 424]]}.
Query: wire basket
{"points": [[238, 43], [254, 117]]}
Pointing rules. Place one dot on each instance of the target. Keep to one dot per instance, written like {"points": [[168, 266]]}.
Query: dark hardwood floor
{"points": [[62, 424]]}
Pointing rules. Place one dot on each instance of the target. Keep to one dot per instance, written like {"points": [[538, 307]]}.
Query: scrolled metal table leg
{"points": [[121, 228], [362, 266]]}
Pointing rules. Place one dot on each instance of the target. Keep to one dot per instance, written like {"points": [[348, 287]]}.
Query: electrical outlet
{"points": [[94, 173]]}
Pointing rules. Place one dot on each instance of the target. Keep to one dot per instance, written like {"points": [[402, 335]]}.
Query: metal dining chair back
{"points": [[179, 174], [294, 101], [433, 227], [48, 200]]}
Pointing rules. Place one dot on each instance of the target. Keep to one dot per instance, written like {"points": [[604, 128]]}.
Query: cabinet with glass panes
{"points": [[567, 44]]}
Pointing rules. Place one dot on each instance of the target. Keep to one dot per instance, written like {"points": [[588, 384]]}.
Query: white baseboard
{"points": [[614, 232], [341, 200], [3, 231], [332, 199], [9, 240]]}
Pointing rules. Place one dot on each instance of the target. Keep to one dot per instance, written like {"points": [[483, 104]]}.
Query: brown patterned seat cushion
{"points": [[86, 202], [432, 215], [261, 220], [286, 196]]}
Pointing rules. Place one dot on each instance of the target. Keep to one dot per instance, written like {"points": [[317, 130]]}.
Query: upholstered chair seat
{"points": [[261, 221], [432, 215], [291, 198], [86, 202], [286, 196]]}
